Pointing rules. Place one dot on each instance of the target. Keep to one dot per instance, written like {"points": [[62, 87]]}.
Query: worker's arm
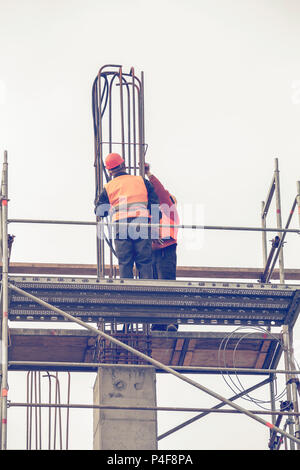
{"points": [[154, 209], [153, 201], [162, 193], [102, 206]]}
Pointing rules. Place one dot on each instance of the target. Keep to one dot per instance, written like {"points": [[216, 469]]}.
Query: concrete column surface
{"points": [[125, 385]]}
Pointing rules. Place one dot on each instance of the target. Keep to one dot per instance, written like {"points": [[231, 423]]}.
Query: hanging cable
{"points": [[234, 387]]}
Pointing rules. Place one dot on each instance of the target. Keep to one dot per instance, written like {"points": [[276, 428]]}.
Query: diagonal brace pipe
{"points": [[216, 407]]}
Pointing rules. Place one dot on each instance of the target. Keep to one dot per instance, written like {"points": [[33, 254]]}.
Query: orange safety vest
{"points": [[170, 231], [128, 197]]}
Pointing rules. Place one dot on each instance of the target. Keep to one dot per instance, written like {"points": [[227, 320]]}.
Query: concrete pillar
{"points": [[125, 385]]}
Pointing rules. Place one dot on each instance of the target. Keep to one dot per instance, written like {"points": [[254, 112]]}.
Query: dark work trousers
{"points": [[164, 263], [134, 250]]}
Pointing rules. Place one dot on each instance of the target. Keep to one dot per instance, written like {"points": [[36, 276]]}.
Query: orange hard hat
{"points": [[113, 160]]}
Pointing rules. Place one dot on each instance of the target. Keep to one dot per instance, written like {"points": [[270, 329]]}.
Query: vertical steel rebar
{"points": [[68, 411], [55, 413], [4, 384], [34, 413], [142, 140], [133, 120], [129, 126], [36, 410], [28, 427], [57, 410], [40, 413], [99, 167], [49, 416], [122, 112], [34, 395], [279, 218], [104, 124]]}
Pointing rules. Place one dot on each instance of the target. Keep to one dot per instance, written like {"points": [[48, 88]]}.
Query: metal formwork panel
{"points": [[149, 301]]}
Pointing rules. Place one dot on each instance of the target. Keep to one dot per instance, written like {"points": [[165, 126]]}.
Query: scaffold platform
{"points": [[156, 301], [114, 302]]}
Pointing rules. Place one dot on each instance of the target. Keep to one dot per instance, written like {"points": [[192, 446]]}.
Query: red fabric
{"points": [[164, 198]]}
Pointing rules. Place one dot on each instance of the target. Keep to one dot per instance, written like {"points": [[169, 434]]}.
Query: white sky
{"points": [[222, 100]]}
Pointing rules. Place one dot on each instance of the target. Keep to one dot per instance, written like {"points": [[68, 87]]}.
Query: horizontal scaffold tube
{"points": [[146, 408], [182, 226], [45, 365]]}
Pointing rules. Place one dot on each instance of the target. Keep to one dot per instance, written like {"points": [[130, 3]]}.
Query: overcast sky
{"points": [[222, 101]]}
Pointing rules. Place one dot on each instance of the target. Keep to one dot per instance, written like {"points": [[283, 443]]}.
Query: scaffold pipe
{"points": [[298, 199], [4, 358], [184, 369], [279, 218], [180, 226], [146, 408]]}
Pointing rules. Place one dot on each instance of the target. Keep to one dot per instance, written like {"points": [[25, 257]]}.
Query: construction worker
{"points": [[131, 201], [164, 249]]}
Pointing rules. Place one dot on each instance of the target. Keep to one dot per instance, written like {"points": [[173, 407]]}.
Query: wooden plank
{"points": [[260, 361], [262, 354], [210, 358], [189, 354], [175, 356], [182, 271], [183, 351], [51, 345], [252, 344], [56, 348]]}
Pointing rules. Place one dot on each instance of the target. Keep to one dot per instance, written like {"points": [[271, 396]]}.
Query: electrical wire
{"points": [[233, 386]]}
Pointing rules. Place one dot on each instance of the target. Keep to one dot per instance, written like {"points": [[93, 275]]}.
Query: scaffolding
{"points": [[134, 343]]}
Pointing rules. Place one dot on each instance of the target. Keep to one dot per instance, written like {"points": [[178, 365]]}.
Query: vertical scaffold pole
{"points": [[1, 316], [298, 199], [293, 383], [295, 391], [291, 390], [272, 396], [287, 376], [264, 234], [4, 348], [279, 218]]}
